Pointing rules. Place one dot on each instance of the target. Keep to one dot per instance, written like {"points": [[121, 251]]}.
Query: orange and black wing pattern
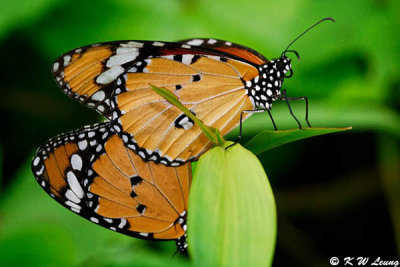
{"points": [[207, 82], [92, 173], [208, 76], [88, 73], [242, 52]]}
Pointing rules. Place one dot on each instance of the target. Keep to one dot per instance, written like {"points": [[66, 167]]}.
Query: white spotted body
{"points": [[266, 88]]}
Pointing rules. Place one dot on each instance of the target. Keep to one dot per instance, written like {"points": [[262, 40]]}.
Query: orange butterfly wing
{"points": [[92, 173], [209, 79], [211, 85]]}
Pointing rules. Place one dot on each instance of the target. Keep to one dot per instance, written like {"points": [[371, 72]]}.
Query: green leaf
{"points": [[232, 214], [268, 139], [211, 133]]}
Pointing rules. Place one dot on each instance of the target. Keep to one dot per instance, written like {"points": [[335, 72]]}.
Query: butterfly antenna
{"points": [[312, 26]]}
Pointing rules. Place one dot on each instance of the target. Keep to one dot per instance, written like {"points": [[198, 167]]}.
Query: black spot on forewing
{"points": [[196, 78]]}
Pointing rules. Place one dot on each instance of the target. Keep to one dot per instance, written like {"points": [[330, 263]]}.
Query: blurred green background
{"points": [[337, 195]]}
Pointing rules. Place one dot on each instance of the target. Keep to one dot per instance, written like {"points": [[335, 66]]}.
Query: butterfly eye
{"points": [[280, 65]]}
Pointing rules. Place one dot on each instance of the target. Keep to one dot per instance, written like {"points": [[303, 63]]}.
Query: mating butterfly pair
{"points": [[132, 174]]}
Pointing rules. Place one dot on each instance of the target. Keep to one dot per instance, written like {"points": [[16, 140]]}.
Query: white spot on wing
{"points": [[101, 108], [132, 44], [133, 69], [71, 196], [76, 210], [74, 184], [98, 96], [76, 162], [67, 58], [187, 125], [168, 56], [73, 205], [98, 148], [195, 42], [94, 219], [126, 50], [122, 223], [158, 44], [184, 120], [110, 75], [82, 145], [36, 161], [56, 65], [186, 59], [40, 172], [120, 59]]}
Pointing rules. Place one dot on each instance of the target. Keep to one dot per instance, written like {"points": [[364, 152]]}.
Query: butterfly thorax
{"points": [[265, 88]]}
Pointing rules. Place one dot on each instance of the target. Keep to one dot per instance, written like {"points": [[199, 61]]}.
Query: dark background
{"points": [[336, 195]]}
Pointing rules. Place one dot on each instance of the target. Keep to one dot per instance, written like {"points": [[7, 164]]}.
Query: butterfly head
{"points": [[283, 66]]}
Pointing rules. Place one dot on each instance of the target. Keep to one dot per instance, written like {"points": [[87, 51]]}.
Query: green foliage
{"points": [[348, 70], [268, 139], [243, 229]]}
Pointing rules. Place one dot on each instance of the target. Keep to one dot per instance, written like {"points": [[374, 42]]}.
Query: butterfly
{"points": [[92, 173], [221, 82]]}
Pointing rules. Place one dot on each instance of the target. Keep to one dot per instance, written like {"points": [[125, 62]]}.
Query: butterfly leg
{"points": [[284, 97], [241, 122], [272, 119], [305, 100]]}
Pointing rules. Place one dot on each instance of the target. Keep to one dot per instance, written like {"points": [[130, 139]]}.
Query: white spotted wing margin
{"points": [[217, 44], [89, 73], [62, 167], [67, 168]]}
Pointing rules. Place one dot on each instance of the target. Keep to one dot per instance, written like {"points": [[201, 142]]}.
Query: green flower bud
{"points": [[232, 214]]}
